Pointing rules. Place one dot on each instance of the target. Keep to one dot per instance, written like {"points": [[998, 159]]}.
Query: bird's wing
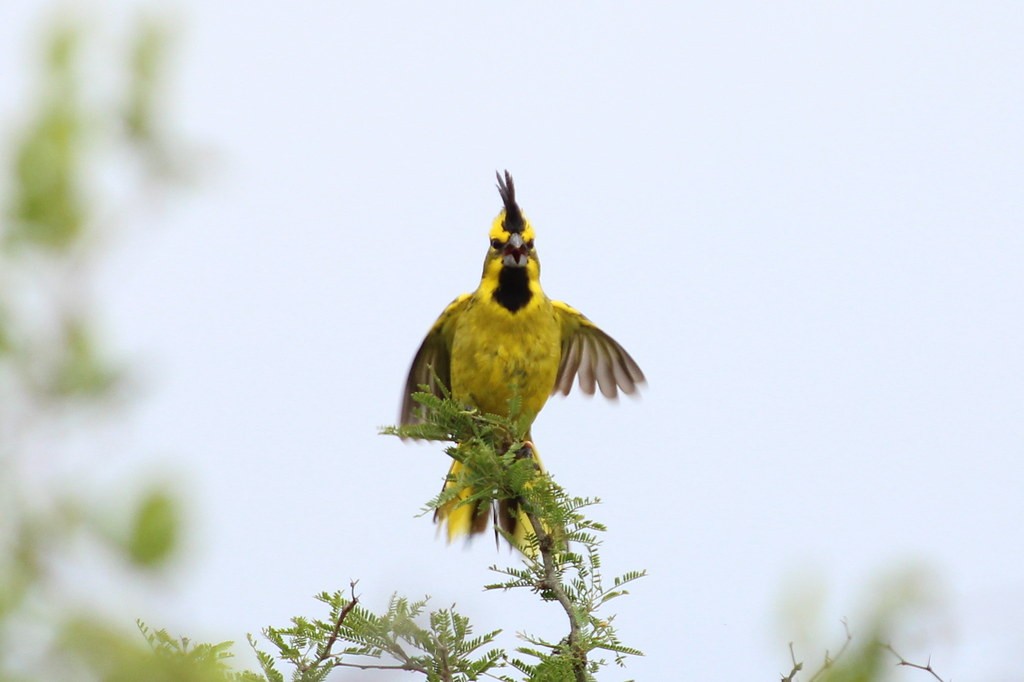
{"points": [[593, 355], [432, 363]]}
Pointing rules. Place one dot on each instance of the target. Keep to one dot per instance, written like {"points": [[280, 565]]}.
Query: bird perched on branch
{"points": [[508, 338]]}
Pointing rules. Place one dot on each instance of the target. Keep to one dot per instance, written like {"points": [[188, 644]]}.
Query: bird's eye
{"points": [[529, 244], [496, 244]]}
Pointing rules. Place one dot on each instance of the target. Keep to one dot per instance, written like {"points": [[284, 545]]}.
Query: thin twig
{"points": [[325, 651], [442, 658], [927, 667], [369, 666], [828, 662], [831, 660], [797, 666]]}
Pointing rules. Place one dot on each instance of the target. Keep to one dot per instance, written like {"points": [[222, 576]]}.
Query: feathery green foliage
{"points": [[352, 636], [562, 563]]}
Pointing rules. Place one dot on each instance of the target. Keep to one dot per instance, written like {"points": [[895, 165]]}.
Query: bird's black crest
{"points": [[513, 216]]}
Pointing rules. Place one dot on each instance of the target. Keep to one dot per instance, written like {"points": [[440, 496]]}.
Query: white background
{"points": [[804, 221]]}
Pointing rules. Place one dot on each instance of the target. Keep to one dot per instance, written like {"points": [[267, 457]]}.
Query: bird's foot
{"points": [[526, 451]]}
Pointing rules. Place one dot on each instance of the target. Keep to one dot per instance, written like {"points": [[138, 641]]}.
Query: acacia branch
{"points": [[409, 667], [830, 660], [927, 667], [828, 663], [552, 583], [797, 665], [325, 651]]}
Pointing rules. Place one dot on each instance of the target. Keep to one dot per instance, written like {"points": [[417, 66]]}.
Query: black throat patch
{"points": [[513, 290]]}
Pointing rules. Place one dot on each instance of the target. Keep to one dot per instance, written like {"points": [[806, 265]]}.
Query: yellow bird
{"points": [[508, 338]]}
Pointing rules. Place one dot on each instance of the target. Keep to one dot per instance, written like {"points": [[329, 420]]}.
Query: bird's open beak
{"points": [[515, 253]]}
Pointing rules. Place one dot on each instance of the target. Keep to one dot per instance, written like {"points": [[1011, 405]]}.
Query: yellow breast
{"points": [[496, 354]]}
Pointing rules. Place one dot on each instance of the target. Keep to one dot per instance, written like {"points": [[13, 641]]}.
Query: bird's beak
{"points": [[515, 253]]}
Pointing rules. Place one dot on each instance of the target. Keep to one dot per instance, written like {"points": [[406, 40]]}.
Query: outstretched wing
{"points": [[594, 356], [432, 362]]}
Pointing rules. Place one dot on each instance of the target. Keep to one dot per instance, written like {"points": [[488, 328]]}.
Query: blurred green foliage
{"points": [[53, 372], [155, 529], [48, 208], [893, 606], [148, 55], [80, 370]]}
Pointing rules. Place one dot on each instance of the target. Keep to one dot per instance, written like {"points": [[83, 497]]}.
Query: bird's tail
{"points": [[463, 518]]}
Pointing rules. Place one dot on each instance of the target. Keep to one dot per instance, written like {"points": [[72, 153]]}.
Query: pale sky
{"points": [[804, 221]]}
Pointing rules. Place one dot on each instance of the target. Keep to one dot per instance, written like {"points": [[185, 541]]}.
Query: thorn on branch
{"points": [[828, 662], [927, 667]]}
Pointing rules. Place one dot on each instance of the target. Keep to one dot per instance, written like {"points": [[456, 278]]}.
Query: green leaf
{"points": [[48, 208], [155, 529], [81, 372]]}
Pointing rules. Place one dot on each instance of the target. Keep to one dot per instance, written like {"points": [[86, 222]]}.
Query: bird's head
{"points": [[511, 233]]}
